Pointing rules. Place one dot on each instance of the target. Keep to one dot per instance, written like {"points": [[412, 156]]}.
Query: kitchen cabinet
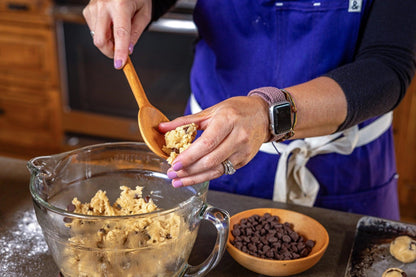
{"points": [[30, 108], [404, 128]]}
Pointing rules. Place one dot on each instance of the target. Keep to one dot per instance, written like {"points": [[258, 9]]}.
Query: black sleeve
{"points": [[160, 7], [377, 80]]}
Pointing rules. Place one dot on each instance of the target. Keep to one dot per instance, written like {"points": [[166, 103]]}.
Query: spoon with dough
{"points": [[149, 117]]}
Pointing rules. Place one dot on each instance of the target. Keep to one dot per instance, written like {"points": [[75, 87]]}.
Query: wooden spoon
{"points": [[149, 117]]}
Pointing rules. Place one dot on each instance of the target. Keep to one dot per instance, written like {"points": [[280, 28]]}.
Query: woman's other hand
{"points": [[116, 25], [233, 129]]}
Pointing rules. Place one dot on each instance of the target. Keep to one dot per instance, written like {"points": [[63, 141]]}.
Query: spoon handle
{"points": [[135, 84]]}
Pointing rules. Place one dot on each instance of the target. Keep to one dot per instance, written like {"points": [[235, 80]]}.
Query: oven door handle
{"points": [[176, 26]]}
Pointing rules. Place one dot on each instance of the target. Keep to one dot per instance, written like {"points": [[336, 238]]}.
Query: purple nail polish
{"points": [[131, 47], [177, 166], [177, 183], [118, 64], [172, 175]]}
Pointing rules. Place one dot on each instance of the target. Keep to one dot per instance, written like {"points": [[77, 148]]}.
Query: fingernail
{"points": [[172, 174], [131, 46], [118, 64], [177, 183], [177, 166]]}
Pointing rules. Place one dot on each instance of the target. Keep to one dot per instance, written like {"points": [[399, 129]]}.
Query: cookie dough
{"points": [[178, 140], [403, 248], [394, 272], [156, 244]]}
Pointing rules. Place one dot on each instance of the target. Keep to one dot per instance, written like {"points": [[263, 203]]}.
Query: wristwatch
{"points": [[280, 115], [282, 112]]}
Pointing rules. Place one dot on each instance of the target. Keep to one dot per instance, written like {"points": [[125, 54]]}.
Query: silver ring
{"points": [[92, 33], [228, 167]]}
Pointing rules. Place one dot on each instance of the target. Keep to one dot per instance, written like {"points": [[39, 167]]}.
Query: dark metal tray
{"points": [[370, 255]]}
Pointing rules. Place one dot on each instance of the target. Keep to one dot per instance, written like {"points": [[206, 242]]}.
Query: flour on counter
{"points": [[21, 244]]}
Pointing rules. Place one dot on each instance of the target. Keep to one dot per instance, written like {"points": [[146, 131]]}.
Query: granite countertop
{"points": [[23, 251]]}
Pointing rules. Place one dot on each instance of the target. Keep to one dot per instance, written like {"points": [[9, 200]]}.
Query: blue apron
{"points": [[246, 44]]}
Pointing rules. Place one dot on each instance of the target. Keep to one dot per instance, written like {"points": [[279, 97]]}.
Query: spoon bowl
{"points": [[148, 117]]}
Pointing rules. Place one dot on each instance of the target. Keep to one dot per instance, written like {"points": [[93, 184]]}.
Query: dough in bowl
{"points": [[151, 245]]}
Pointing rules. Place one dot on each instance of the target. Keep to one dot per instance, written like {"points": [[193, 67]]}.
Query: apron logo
{"points": [[354, 6]]}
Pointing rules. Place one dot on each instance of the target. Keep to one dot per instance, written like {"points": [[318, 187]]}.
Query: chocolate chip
{"points": [[272, 239], [239, 245], [70, 208], [310, 243], [236, 232], [252, 247], [67, 220], [304, 252], [294, 236], [255, 239], [249, 231], [266, 237], [286, 238], [270, 254]]}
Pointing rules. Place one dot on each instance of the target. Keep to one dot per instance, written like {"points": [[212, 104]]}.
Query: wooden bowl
{"points": [[304, 225]]}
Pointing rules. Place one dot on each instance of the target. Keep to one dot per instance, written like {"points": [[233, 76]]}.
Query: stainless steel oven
{"points": [[97, 101]]}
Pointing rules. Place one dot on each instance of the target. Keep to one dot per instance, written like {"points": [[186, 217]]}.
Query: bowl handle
{"points": [[221, 220]]}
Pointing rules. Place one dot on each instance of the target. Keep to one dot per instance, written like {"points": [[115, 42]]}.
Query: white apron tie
{"points": [[294, 183]]}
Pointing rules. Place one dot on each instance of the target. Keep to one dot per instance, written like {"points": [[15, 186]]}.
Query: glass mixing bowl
{"points": [[154, 243]]}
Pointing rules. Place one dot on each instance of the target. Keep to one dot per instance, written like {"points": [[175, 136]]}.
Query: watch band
{"points": [[270, 94], [293, 108], [274, 95]]}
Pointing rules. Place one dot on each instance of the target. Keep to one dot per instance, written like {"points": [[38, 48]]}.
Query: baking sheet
{"points": [[370, 255]]}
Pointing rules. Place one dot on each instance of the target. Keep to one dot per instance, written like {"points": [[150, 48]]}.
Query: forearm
{"points": [[321, 107]]}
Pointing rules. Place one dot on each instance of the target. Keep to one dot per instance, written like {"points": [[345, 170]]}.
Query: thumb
{"points": [[180, 121]]}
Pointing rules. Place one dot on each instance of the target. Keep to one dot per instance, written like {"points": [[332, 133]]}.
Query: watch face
{"points": [[281, 118]]}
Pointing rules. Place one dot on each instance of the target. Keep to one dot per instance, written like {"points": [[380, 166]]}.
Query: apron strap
{"points": [[294, 183], [195, 108]]}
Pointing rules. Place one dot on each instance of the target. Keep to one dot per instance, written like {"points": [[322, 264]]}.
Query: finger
{"points": [[208, 142], [197, 118], [189, 176], [89, 17], [184, 178], [197, 179], [103, 33], [208, 167], [121, 31]]}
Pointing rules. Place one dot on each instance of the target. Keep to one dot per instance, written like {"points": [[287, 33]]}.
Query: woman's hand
{"points": [[116, 25], [233, 129]]}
